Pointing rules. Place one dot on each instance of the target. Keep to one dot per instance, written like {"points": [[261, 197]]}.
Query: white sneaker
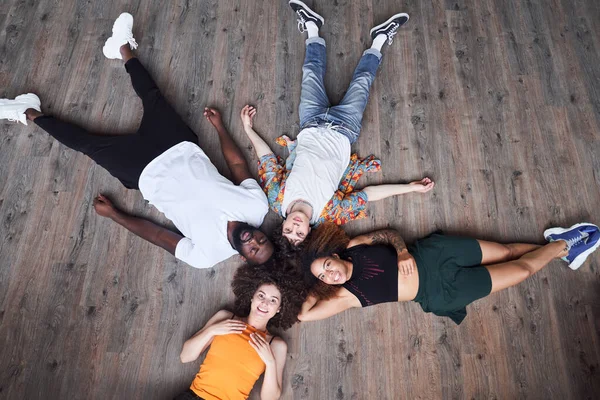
{"points": [[14, 110], [121, 34]]}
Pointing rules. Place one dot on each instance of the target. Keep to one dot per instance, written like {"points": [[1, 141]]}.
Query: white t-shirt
{"points": [[183, 184], [322, 156]]}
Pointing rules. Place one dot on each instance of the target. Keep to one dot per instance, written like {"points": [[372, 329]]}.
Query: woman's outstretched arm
{"points": [[260, 146], [315, 309], [220, 324], [380, 192]]}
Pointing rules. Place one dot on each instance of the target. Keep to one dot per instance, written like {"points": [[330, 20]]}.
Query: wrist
{"points": [[217, 124], [115, 215]]}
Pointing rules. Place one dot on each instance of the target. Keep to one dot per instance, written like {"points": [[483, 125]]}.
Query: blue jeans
{"points": [[315, 108]]}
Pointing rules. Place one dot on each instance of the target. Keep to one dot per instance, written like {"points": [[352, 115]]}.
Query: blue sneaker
{"points": [[582, 240]]}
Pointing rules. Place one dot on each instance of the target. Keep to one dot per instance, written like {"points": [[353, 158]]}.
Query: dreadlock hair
{"points": [[283, 274], [325, 240]]}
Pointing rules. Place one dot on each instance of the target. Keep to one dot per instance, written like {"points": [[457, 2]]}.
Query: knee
{"points": [[364, 79], [507, 252], [527, 268]]}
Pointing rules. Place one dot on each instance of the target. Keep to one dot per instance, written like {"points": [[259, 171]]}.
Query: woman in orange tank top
{"points": [[240, 346]]}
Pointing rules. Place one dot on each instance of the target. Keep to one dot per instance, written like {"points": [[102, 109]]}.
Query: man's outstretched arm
{"points": [[231, 152], [143, 228]]}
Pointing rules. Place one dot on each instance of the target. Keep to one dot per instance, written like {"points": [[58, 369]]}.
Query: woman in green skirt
{"points": [[442, 273]]}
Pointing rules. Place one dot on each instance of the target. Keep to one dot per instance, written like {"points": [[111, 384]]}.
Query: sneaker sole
{"points": [[389, 21], [580, 259], [308, 10]]}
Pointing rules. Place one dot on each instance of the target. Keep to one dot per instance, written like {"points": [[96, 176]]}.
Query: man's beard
{"points": [[238, 231]]}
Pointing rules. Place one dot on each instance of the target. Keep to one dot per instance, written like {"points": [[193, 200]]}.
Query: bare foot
{"points": [[32, 114], [126, 52]]}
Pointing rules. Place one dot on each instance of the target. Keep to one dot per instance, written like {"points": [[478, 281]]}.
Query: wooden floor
{"points": [[497, 100]]}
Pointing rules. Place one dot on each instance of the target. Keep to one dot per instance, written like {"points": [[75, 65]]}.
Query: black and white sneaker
{"points": [[390, 27], [305, 14]]}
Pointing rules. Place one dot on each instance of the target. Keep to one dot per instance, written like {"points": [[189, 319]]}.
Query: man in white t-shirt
{"points": [[216, 217]]}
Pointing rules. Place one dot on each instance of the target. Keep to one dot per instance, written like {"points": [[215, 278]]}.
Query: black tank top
{"points": [[374, 275]]}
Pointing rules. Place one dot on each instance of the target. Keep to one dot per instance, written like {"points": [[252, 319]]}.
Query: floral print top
{"points": [[345, 205]]}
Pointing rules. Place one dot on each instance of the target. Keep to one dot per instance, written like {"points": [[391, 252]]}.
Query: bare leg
{"points": [[494, 253], [505, 275]]}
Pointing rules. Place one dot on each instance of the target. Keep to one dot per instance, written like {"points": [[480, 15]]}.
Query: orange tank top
{"points": [[230, 369]]}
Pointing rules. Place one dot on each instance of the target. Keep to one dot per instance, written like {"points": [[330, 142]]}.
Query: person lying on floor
{"points": [[241, 346], [442, 273], [217, 217], [318, 185]]}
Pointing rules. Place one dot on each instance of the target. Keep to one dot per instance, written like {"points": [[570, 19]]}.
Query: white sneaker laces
{"points": [[573, 241], [301, 22], [132, 43], [392, 33]]}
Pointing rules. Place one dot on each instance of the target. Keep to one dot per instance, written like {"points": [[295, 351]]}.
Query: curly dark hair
{"points": [[282, 273], [285, 249], [325, 240]]}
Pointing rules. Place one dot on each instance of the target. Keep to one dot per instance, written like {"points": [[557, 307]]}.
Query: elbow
{"points": [[305, 317], [186, 356], [274, 395]]}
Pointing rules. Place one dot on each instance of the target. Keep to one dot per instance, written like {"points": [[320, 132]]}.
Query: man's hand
{"points": [[104, 207], [213, 116], [247, 115], [406, 263], [423, 186]]}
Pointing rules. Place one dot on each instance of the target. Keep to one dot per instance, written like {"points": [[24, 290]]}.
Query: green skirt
{"points": [[450, 274]]}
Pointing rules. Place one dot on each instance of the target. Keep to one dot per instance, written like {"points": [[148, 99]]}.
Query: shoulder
{"points": [[358, 240], [222, 315], [278, 343], [250, 184], [347, 298], [279, 347]]}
